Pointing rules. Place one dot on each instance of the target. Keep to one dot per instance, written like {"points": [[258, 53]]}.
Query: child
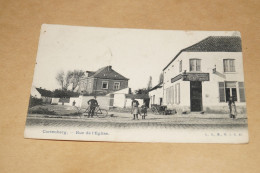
{"points": [[143, 111]]}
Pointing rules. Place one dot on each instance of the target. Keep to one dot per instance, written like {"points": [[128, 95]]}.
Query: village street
{"points": [[124, 120]]}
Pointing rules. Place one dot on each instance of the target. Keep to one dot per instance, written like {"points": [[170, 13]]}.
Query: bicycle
{"points": [[100, 113]]}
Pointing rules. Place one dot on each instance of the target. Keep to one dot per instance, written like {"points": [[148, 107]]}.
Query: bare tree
{"points": [[60, 78], [161, 78], [71, 77], [77, 74], [150, 85], [68, 79]]}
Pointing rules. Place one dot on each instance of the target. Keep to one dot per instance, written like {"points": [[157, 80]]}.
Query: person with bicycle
{"points": [[92, 106]]}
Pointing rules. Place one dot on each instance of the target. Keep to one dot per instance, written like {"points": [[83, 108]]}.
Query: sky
{"points": [[135, 53]]}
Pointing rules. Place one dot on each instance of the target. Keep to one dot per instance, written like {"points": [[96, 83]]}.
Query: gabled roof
{"points": [[214, 44], [217, 44], [44, 92], [108, 73], [156, 87]]}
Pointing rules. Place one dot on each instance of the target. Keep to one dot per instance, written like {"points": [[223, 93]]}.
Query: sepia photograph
{"points": [[138, 85]]}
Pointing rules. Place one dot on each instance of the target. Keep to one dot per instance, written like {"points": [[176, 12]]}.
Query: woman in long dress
{"points": [[135, 109], [232, 108]]}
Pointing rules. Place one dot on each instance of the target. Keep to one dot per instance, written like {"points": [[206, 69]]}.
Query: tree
{"points": [[141, 91], [77, 74], [161, 78], [150, 85], [68, 79], [64, 94], [60, 78], [71, 77]]}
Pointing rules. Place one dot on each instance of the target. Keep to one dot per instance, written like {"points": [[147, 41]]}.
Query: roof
{"points": [[214, 44], [44, 92], [107, 73], [137, 96], [156, 87]]}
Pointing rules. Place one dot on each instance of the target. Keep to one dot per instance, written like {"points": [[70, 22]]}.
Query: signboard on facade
{"points": [[176, 78], [196, 77]]}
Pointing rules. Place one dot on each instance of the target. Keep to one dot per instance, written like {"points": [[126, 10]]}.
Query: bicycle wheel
{"points": [[101, 113]]}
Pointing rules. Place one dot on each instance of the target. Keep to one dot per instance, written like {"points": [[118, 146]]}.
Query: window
{"points": [[104, 84], [89, 84], [180, 66], [116, 85], [195, 65], [229, 65], [229, 89]]}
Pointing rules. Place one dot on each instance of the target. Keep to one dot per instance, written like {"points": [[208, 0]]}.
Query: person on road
{"points": [[232, 107], [135, 109], [92, 106], [143, 111]]}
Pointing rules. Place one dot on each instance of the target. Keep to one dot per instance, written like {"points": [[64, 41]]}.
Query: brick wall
{"points": [[123, 84]]}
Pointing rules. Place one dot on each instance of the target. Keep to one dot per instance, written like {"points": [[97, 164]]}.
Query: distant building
{"points": [[202, 77], [156, 95], [45, 95], [102, 81]]}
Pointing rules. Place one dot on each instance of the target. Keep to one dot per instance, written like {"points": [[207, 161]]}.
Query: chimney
{"points": [[109, 67]]}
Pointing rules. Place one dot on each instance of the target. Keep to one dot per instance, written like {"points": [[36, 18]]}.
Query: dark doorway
{"points": [[161, 101], [195, 96]]}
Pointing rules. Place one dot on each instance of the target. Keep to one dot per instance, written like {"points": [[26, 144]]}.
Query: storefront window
{"points": [[230, 89]]}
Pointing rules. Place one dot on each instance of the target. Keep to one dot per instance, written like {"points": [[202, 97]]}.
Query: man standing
{"points": [[135, 109], [92, 106]]}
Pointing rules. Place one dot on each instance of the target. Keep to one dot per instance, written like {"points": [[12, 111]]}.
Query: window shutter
{"points": [[241, 91], [167, 95], [172, 94], [222, 92], [179, 94], [176, 93]]}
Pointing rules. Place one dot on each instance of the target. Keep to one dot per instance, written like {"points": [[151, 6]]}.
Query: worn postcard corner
{"points": [[137, 85]]}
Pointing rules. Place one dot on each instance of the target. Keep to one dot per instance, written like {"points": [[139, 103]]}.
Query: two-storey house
{"points": [[204, 76], [102, 81]]}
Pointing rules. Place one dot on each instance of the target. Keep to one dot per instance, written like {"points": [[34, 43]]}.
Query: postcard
{"points": [[138, 85]]}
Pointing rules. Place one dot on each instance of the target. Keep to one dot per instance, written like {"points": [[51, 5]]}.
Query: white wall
{"points": [[119, 100], [55, 100], [210, 89], [156, 94]]}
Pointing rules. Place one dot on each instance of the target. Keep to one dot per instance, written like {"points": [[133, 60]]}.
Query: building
{"points": [[156, 95], [202, 77], [43, 94], [102, 81]]}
